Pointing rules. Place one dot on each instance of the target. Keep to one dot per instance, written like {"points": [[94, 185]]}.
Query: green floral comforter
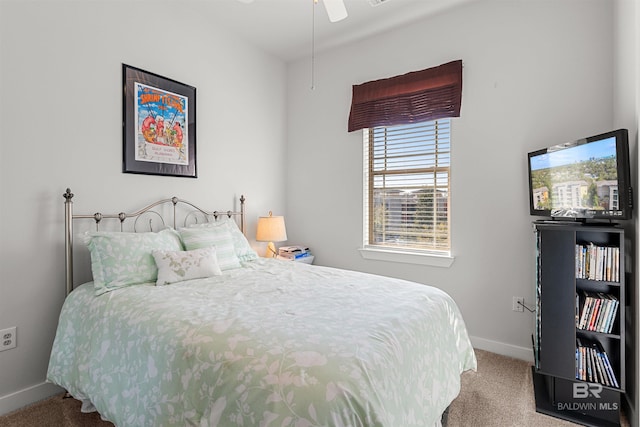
{"points": [[275, 343]]}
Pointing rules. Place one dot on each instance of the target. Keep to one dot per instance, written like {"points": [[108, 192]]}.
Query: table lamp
{"points": [[271, 229]]}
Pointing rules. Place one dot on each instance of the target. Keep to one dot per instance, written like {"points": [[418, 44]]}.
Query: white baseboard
{"points": [[27, 396], [522, 353]]}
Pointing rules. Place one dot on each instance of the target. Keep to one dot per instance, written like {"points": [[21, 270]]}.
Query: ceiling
{"points": [[284, 28]]}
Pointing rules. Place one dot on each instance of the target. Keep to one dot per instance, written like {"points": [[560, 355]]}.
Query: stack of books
{"points": [[598, 312], [592, 364], [598, 262], [294, 252]]}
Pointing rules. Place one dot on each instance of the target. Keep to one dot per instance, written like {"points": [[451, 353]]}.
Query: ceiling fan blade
{"points": [[335, 9]]}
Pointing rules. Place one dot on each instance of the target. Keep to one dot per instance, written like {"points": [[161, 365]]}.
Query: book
{"points": [[611, 317], [592, 363], [610, 369], [588, 308], [578, 261], [594, 314], [579, 365], [604, 312], [592, 261], [603, 372], [585, 310]]}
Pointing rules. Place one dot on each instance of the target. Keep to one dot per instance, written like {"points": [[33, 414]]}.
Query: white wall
{"points": [[61, 114], [535, 74], [626, 112]]}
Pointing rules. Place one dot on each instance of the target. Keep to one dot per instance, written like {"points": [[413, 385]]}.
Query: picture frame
{"points": [[158, 125]]}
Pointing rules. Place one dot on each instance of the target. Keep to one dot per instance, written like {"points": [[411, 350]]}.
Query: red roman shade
{"points": [[418, 96]]}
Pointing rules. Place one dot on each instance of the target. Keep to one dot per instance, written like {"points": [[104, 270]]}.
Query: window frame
{"points": [[424, 256]]}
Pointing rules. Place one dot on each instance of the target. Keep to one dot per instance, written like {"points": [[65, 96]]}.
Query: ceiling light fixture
{"points": [[336, 9]]}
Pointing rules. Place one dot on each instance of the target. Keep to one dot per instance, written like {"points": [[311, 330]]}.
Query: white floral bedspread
{"points": [[276, 343]]}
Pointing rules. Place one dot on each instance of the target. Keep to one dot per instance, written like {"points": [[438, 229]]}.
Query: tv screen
{"points": [[584, 179]]}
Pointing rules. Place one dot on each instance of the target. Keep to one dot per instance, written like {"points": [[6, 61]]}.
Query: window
{"points": [[406, 123], [406, 187]]}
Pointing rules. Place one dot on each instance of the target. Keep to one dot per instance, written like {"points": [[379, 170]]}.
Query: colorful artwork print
{"points": [[161, 130], [158, 125]]}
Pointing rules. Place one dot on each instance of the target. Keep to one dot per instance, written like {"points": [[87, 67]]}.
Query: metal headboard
{"points": [[69, 217]]}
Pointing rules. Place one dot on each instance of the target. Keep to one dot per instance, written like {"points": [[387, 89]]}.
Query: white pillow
{"points": [[218, 237], [176, 266], [241, 245]]}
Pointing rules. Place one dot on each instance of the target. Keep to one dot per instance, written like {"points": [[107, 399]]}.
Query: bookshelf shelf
{"points": [[579, 349], [596, 334], [596, 284]]}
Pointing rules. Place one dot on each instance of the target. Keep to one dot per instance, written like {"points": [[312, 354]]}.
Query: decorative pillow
{"points": [[123, 259], [241, 245], [204, 237], [175, 266]]}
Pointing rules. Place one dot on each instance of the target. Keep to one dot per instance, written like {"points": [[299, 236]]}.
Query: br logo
{"points": [[584, 390]]}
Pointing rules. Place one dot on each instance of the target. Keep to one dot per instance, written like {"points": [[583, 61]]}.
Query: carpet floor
{"points": [[499, 394]]}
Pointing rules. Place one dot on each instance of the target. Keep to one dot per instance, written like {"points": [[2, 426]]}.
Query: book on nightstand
{"points": [[296, 253]]}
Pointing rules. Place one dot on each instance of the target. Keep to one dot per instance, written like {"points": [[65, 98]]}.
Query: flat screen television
{"points": [[582, 180]]}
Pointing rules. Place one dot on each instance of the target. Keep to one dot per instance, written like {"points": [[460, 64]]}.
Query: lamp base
{"points": [[271, 251]]}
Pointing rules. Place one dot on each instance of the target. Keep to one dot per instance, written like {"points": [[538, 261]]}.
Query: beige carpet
{"points": [[53, 412], [499, 394]]}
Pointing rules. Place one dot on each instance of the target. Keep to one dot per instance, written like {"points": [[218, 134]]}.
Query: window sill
{"points": [[422, 258]]}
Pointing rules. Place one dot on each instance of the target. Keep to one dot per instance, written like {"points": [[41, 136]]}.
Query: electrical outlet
{"points": [[8, 338], [518, 304]]}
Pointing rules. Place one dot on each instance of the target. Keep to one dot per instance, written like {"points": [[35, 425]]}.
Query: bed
{"points": [[257, 342]]}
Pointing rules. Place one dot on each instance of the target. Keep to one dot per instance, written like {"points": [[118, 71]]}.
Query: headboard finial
{"points": [[68, 195]]}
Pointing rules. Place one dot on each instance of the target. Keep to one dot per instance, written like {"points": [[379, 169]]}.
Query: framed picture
{"points": [[158, 124]]}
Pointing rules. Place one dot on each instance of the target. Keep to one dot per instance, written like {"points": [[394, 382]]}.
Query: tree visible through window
{"points": [[406, 186]]}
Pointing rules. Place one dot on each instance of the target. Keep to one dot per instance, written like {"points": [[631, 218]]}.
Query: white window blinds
{"points": [[406, 186]]}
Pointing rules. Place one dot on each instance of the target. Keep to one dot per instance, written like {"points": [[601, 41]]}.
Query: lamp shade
{"points": [[271, 229]]}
